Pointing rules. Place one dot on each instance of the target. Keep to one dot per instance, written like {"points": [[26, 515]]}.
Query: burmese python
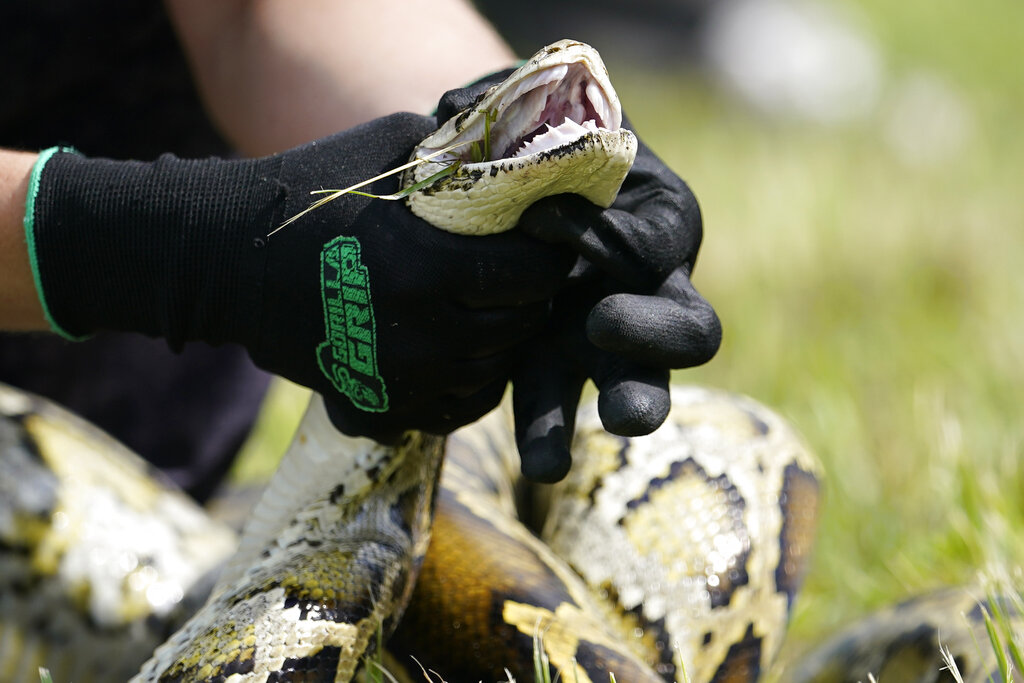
{"points": [[684, 546], [714, 592], [691, 544]]}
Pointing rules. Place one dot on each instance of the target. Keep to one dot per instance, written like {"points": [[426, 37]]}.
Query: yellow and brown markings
{"points": [[310, 619], [219, 652], [742, 663], [489, 593], [337, 585], [577, 649], [717, 541], [798, 502], [902, 643], [29, 490], [315, 668]]}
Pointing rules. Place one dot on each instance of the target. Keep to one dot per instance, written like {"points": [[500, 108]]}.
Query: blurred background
{"points": [[860, 168]]}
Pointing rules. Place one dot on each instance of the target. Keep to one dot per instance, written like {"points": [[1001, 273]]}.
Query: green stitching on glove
{"points": [[30, 236], [349, 356]]}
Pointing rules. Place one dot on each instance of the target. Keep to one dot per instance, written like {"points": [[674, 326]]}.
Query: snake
{"points": [[669, 557], [675, 554], [611, 583]]}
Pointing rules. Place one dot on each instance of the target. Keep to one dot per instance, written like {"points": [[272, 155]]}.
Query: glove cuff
{"points": [[30, 238], [171, 248]]}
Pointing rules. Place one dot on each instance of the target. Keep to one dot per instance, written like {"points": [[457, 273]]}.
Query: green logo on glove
{"points": [[349, 356]]}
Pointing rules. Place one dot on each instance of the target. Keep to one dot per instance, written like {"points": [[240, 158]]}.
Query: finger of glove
{"points": [[638, 247], [498, 330], [674, 328], [353, 155], [633, 399], [420, 260], [454, 101], [382, 428], [655, 193], [545, 395]]}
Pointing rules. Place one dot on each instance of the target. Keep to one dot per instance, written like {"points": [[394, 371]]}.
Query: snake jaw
{"points": [[566, 97], [552, 127], [564, 84]]}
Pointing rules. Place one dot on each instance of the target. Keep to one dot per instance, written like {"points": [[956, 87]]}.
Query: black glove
{"points": [[629, 316], [399, 324]]}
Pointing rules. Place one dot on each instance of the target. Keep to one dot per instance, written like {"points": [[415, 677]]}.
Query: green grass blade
{"points": [[681, 665], [1002, 621], [997, 645], [1015, 652], [476, 154], [334, 194], [415, 187], [489, 118], [541, 668], [44, 675]]}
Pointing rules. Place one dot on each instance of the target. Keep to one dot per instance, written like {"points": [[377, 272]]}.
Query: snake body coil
{"points": [[687, 545], [307, 603]]}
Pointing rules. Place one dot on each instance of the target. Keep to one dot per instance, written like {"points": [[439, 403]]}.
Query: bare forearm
{"points": [[19, 303], [275, 73]]}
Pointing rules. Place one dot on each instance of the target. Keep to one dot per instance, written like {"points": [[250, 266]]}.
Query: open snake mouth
{"points": [[551, 108], [556, 98]]}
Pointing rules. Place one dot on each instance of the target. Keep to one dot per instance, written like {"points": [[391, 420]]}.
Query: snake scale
{"points": [[686, 546]]}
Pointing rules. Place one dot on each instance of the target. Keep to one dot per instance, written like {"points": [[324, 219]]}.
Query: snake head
{"points": [[553, 126]]}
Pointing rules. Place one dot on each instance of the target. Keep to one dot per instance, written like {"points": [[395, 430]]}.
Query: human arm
{"points": [[19, 304], [277, 73]]}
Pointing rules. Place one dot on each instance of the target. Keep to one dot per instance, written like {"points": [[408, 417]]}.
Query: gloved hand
{"points": [[629, 316], [400, 325]]}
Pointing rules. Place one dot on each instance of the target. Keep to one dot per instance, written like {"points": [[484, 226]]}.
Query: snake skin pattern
{"points": [[685, 545], [306, 605], [706, 527]]}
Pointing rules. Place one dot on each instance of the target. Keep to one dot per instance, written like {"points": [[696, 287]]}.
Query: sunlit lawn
{"points": [[876, 302]]}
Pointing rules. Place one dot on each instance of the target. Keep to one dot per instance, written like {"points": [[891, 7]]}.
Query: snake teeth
{"points": [[569, 84], [560, 135], [566, 93]]}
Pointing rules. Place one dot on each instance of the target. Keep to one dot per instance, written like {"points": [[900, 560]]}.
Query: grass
{"points": [[875, 302]]}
